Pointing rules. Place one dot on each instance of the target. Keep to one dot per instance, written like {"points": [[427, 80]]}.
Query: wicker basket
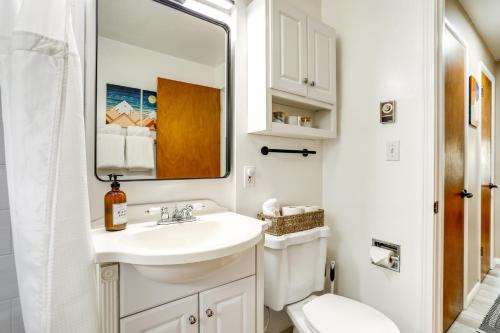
{"points": [[281, 225]]}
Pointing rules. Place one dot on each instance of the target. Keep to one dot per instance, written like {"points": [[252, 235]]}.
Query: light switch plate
{"points": [[392, 150]]}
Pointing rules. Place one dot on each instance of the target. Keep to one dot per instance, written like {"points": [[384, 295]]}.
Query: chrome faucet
{"points": [[177, 216]]}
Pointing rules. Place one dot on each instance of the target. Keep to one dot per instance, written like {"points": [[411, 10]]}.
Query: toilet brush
{"points": [[332, 277]]}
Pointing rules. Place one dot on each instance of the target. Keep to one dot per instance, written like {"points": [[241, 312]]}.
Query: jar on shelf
{"points": [[279, 117], [306, 121]]}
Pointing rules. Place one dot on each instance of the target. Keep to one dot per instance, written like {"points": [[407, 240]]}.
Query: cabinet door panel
{"points": [[173, 317], [321, 61], [288, 40], [232, 308]]}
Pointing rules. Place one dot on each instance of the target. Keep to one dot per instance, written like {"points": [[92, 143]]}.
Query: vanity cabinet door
{"points": [[229, 308], [321, 61], [288, 40], [176, 317]]}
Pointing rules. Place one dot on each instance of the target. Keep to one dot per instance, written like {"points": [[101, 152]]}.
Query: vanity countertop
{"points": [[211, 236]]}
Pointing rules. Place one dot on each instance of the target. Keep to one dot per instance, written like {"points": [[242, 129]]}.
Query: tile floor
{"points": [[471, 318]]}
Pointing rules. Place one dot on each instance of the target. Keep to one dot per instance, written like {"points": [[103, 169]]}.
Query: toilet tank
{"points": [[294, 266]]}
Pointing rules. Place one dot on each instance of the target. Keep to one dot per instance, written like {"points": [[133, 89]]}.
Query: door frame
{"points": [[485, 70], [438, 234]]}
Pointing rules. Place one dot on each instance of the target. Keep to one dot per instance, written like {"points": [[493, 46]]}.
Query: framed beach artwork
{"points": [[127, 106], [474, 94]]}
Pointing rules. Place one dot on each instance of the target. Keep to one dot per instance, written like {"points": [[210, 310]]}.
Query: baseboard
{"points": [[472, 294]]}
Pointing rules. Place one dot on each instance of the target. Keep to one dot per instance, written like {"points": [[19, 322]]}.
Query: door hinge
{"points": [[436, 207], [482, 250], [482, 92]]}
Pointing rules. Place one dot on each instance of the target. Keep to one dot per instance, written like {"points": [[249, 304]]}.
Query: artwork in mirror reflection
{"points": [[126, 106], [161, 101]]}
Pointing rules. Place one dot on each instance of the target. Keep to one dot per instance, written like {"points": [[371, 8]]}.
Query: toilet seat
{"points": [[332, 313]]}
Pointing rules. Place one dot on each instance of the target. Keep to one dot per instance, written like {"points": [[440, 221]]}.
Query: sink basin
{"points": [[182, 252]]}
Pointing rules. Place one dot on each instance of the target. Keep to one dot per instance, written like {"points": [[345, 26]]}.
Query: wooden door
{"points": [[453, 270], [486, 179], [176, 317], [321, 61], [229, 308], [288, 48], [188, 130]]}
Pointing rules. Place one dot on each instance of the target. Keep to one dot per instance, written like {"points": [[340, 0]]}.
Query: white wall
{"points": [[10, 308], [478, 52], [379, 57]]}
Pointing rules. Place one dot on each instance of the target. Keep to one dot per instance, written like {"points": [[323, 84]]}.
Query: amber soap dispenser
{"points": [[115, 206]]}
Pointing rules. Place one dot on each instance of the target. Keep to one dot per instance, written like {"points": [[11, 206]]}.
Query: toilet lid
{"points": [[332, 313]]}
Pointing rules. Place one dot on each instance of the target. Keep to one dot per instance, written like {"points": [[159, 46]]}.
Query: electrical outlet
{"points": [[249, 174], [392, 151]]}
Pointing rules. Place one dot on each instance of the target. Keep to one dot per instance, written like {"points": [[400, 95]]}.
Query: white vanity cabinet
{"points": [[205, 276], [229, 308], [176, 317], [291, 68], [224, 302]]}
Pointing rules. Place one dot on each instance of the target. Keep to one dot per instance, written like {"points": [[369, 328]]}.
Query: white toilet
{"points": [[294, 268]]}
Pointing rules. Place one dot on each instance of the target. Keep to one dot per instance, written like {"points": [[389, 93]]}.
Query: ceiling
{"points": [[485, 14], [153, 26]]}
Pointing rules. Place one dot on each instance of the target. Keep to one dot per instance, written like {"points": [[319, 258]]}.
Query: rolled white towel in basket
{"points": [[271, 207]]}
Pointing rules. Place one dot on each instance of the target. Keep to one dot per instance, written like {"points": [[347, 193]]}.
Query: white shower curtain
{"points": [[42, 106]]}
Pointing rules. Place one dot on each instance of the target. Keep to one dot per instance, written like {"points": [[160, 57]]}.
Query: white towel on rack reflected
{"points": [[110, 151], [110, 129], [138, 131], [139, 153]]}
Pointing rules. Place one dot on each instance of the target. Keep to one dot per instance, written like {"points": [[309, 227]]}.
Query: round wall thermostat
{"points": [[387, 108]]}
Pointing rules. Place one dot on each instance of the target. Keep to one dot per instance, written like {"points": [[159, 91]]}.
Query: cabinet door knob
{"points": [[306, 80], [192, 319], [313, 83], [209, 313]]}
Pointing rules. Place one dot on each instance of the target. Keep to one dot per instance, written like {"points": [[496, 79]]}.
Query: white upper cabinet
{"points": [[176, 317], [302, 53], [321, 61], [229, 308], [288, 48], [291, 70]]}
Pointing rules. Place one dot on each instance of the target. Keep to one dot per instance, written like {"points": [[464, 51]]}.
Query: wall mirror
{"points": [[162, 92]]}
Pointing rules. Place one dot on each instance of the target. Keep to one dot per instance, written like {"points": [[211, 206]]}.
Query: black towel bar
{"points": [[305, 152]]}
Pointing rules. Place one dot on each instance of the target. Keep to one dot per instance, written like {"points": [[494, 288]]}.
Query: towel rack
{"points": [[265, 150]]}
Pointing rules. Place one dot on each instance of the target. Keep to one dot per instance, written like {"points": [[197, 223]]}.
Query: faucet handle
{"points": [[187, 212], [153, 210]]}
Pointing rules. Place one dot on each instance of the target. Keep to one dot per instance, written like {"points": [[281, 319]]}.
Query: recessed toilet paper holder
{"points": [[395, 259]]}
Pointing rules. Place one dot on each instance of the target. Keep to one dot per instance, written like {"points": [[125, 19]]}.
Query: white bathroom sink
{"points": [[180, 252]]}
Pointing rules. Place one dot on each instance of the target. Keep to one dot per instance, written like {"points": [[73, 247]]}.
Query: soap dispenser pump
{"points": [[115, 206]]}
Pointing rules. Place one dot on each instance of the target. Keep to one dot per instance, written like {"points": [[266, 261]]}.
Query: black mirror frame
{"points": [[229, 106]]}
